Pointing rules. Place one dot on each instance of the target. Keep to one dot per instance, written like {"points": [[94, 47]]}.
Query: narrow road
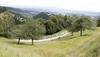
{"points": [[47, 38]]}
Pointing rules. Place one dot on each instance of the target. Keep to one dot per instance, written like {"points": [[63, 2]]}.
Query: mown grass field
{"points": [[87, 45]]}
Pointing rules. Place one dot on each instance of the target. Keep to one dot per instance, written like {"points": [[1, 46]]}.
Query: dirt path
{"points": [[47, 38]]}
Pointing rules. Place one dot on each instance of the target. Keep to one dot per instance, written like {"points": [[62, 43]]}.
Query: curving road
{"points": [[47, 38]]}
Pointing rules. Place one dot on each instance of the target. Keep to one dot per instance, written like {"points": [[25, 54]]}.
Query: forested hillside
{"points": [[24, 13], [2, 9], [43, 15]]}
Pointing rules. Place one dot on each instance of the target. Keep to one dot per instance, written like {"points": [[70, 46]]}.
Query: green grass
{"points": [[87, 45]]}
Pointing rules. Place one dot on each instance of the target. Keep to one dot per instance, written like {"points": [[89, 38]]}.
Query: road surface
{"points": [[47, 38]]}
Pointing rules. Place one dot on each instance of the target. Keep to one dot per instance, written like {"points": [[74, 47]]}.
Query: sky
{"points": [[84, 5]]}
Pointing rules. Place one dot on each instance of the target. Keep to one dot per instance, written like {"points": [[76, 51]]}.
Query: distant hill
{"points": [[19, 19], [43, 15], [24, 13], [55, 10], [2, 9], [30, 12]]}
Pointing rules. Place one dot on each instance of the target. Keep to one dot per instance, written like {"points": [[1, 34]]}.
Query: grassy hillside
{"points": [[87, 45], [24, 13]]}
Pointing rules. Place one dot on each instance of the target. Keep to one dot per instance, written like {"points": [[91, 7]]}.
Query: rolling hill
{"points": [[32, 11], [2, 9], [43, 15], [24, 13], [55, 10], [87, 45]]}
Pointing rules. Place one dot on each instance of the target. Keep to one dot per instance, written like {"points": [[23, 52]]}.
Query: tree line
{"points": [[2, 9], [35, 28]]}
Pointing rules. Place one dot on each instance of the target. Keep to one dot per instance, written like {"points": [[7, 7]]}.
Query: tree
{"points": [[33, 30], [17, 32], [59, 21], [70, 23], [83, 23], [7, 21], [65, 21], [30, 30], [50, 27], [41, 21], [98, 21], [1, 29]]}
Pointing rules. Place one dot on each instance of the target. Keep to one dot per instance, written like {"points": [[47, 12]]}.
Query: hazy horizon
{"points": [[83, 5]]}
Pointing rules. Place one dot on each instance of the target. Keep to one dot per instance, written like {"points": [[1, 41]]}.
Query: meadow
{"points": [[87, 45]]}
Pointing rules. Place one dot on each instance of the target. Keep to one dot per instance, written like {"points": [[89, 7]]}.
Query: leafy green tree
{"points": [[83, 23], [33, 30], [98, 21], [75, 17], [70, 24], [17, 32], [7, 21], [59, 21], [41, 21], [65, 21], [30, 30], [72, 27], [1, 28], [50, 27]]}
